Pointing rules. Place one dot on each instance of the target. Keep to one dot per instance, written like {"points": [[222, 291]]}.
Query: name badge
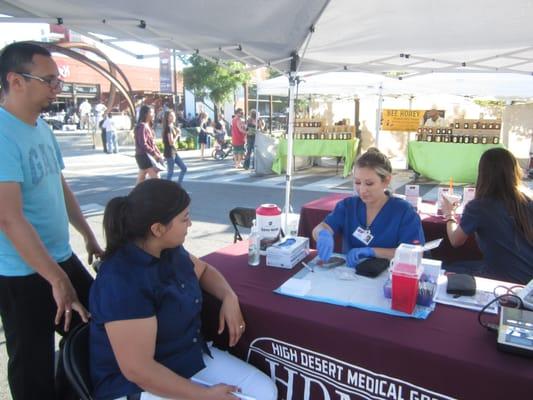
{"points": [[363, 235]]}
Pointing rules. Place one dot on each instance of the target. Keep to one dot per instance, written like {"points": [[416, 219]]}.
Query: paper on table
{"points": [[296, 287], [484, 294], [239, 395], [341, 286], [432, 244]]}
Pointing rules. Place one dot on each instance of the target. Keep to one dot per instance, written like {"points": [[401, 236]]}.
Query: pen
{"points": [[307, 266]]}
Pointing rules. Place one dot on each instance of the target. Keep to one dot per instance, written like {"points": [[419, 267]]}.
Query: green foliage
{"points": [[490, 103], [160, 145], [301, 105], [205, 78], [272, 73], [492, 107]]}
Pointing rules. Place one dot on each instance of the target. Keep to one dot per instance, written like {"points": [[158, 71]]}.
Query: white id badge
{"points": [[363, 235]]}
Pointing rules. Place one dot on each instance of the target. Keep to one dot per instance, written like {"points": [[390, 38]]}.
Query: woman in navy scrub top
{"points": [[372, 223], [145, 333]]}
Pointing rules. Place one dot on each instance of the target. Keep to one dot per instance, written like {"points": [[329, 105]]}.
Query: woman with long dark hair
{"points": [[145, 145], [501, 216], [171, 133], [145, 333]]}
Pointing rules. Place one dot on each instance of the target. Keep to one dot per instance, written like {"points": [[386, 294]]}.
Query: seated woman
{"points": [[145, 332], [501, 216], [372, 223]]}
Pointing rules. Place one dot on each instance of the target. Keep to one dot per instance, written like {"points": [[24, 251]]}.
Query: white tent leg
{"points": [[378, 116], [290, 132]]}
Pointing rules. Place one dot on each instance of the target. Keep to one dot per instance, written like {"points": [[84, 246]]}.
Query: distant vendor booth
{"points": [[315, 139], [444, 153]]}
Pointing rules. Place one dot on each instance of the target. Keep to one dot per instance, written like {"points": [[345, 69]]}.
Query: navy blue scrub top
{"points": [[397, 222]]}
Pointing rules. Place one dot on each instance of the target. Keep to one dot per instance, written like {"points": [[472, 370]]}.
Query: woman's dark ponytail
{"points": [[129, 218], [115, 224]]}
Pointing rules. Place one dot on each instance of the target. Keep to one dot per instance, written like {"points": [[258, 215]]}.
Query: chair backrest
{"points": [[76, 361], [241, 216]]}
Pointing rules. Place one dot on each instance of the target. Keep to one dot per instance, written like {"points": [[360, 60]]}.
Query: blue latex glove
{"points": [[324, 244], [356, 255]]}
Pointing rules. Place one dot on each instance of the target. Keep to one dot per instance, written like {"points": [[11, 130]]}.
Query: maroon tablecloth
{"points": [[315, 211], [313, 348]]}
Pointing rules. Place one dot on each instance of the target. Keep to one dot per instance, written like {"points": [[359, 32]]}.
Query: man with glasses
{"points": [[43, 285]]}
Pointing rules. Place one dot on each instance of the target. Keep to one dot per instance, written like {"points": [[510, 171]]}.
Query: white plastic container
{"points": [[268, 218]]}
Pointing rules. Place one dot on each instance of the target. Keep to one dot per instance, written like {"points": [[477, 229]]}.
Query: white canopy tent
{"points": [[380, 36], [409, 37], [479, 85]]}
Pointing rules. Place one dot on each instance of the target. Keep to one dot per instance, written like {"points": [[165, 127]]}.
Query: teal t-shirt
{"points": [[30, 156]]}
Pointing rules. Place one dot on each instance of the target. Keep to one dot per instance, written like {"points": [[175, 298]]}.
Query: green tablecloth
{"points": [[316, 148], [440, 161]]}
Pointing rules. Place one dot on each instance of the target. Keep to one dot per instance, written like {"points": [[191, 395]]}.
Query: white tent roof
{"points": [[480, 85], [380, 36]]}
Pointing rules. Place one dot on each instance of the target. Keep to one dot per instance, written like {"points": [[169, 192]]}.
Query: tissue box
{"points": [[287, 252]]}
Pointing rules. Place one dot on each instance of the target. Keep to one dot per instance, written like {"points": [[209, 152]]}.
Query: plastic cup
{"points": [[452, 198]]}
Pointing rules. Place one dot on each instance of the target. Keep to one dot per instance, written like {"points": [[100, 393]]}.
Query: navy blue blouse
{"points": [[132, 284]]}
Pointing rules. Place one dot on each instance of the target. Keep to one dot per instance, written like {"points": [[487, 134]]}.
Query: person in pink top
{"points": [[146, 151], [238, 137]]}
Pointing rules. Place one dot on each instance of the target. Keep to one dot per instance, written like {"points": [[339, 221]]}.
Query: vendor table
{"points": [[442, 161], [315, 211], [318, 351], [317, 147]]}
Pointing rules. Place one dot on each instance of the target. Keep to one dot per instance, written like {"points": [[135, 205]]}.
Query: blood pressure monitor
{"points": [[515, 333]]}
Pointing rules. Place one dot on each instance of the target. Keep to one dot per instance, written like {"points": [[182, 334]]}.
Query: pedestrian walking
{"points": [[147, 154], [171, 133]]}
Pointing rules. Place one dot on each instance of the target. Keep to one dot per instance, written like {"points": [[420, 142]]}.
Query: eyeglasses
{"points": [[54, 83]]}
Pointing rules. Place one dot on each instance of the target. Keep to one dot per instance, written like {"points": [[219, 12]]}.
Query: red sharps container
{"points": [[406, 272]]}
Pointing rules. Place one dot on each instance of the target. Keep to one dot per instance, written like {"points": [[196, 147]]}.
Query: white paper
{"points": [[468, 195], [432, 244], [484, 294], [296, 287]]}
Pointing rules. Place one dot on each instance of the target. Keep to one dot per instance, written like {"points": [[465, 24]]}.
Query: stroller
{"points": [[222, 148]]}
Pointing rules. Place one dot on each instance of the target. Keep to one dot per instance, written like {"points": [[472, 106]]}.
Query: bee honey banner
{"points": [[401, 120]]}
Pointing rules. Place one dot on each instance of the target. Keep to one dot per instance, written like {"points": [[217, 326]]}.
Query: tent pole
{"points": [[378, 116], [290, 132]]}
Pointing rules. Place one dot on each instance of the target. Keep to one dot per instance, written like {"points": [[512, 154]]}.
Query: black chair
{"points": [[76, 361], [241, 216]]}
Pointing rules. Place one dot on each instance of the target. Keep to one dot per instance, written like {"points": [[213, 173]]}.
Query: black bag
{"points": [[372, 267], [461, 285]]}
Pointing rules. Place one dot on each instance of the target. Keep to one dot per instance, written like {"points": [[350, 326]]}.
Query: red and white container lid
{"points": [[268, 220]]}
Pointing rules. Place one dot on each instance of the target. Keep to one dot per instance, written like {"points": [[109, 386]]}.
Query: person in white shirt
{"points": [[100, 110], [434, 119], [110, 133], [85, 111]]}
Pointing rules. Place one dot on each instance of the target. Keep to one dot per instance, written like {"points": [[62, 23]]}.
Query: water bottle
{"points": [[253, 246]]}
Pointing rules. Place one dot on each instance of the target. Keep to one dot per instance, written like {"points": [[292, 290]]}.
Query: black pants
{"points": [[250, 143], [104, 140], [28, 309]]}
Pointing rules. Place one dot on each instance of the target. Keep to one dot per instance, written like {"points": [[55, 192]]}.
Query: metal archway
{"points": [[110, 74]]}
